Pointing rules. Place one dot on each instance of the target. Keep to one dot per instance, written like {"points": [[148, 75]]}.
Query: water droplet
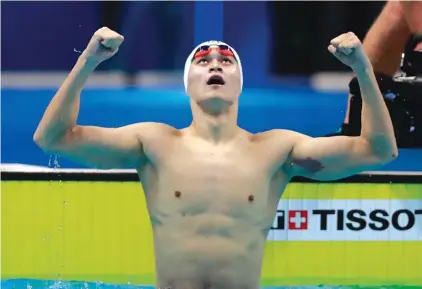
{"points": [[60, 228], [44, 238], [61, 266], [65, 203], [56, 162]]}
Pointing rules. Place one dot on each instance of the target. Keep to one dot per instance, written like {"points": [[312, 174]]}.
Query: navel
{"points": [[250, 198], [177, 194]]}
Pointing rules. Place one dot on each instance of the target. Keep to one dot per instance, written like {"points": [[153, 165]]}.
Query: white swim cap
{"points": [[189, 61]]}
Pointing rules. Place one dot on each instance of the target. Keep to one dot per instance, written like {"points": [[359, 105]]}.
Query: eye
{"points": [[227, 60], [202, 60]]}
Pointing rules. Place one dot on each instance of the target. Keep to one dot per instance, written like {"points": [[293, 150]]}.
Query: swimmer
{"points": [[212, 188]]}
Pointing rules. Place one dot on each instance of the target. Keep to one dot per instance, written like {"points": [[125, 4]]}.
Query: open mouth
{"points": [[216, 80]]}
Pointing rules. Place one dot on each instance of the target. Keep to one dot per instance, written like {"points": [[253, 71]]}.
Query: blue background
{"points": [[39, 37]]}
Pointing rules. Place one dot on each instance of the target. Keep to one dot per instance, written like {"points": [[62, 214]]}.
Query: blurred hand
{"points": [[103, 45], [348, 49]]}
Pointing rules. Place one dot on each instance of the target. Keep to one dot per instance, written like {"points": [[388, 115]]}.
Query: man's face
{"points": [[214, 75]]}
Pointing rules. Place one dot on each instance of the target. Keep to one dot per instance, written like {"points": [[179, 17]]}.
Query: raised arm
{"points": [[339, 157], [99, 147]]}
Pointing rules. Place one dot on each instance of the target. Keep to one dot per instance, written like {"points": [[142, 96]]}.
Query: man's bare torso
{"points": [[212, 203], [211, 206]]}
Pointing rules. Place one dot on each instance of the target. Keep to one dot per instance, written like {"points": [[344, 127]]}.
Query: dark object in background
{"points": [[111, 14], [302, 30], [403, 97]]}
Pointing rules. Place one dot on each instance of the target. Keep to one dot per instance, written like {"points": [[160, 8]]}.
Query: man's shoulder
{"points": [[282, 135], [277, 145], [154, 129]]}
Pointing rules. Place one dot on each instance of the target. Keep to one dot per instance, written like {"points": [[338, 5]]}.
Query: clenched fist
{"points": [[348, 49], [103, 45]]}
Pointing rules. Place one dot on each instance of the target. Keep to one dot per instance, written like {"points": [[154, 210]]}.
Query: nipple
{"points": [[250, 198], [177, 194]]}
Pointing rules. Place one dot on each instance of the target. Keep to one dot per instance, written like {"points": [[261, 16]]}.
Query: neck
{"points": [[215, 120]]}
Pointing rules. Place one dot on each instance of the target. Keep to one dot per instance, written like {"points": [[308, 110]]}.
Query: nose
{"points": [[215, 68]]}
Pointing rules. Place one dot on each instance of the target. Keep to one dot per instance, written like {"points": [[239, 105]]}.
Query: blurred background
{"points": [[290, 80]]}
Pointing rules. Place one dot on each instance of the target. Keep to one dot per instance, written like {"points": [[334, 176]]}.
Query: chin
{"points": [[216, 100], [220, 97], [214, 94], [220, 94]]}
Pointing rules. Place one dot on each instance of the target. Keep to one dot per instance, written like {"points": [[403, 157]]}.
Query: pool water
{"points": [[54, 284], [51, 284]]}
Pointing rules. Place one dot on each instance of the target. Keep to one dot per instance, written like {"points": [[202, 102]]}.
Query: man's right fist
{"points": [[103, 45]]}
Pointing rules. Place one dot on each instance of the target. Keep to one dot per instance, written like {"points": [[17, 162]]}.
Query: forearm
{"points": [[377, 127], [62, 112]]}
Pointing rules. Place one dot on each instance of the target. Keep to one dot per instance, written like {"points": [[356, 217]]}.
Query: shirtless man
{"points": [[212, 188]]}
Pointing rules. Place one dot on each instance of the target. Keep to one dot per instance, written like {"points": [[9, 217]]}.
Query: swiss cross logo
{"points": [[298, 220]]}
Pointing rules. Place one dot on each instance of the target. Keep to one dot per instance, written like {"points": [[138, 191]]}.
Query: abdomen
{"points": [[200, 248]]}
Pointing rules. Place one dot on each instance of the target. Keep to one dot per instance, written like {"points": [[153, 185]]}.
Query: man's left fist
{"points": [[348, 49]]}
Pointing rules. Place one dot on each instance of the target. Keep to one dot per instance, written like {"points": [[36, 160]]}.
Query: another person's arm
{"points": [[341, 156], [58, 131], [413, 13]]}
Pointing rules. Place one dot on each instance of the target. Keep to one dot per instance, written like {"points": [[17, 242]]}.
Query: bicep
{"points": [[331, 158], [101, 147]]}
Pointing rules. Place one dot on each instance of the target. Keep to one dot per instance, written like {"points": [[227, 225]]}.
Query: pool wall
{"points": [[95, 227]]}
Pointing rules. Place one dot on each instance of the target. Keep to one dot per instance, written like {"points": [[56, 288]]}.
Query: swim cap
{"points": [[189, 61]]}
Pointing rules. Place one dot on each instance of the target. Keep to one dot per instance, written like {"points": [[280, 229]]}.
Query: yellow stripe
{"points": [[100, 231], [342, 262], [349, 191], [73, 229]]}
